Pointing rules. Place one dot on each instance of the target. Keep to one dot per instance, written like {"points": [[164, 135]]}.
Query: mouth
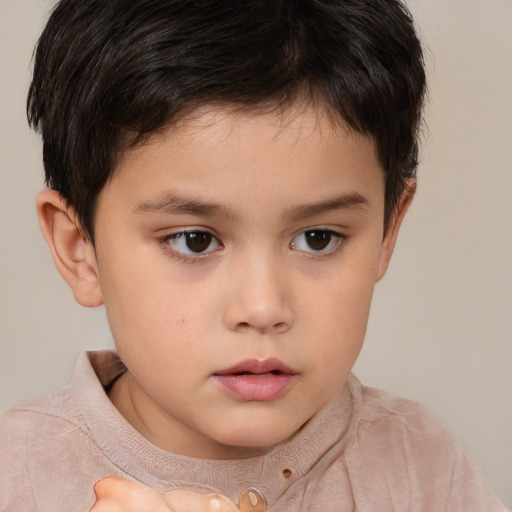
{"points": [[255, 380], [257, 367]]}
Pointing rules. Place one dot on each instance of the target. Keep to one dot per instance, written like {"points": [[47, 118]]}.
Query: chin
{"points": [[256, 437]]}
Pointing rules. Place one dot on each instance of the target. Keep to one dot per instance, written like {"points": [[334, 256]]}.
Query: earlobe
{"points": [[388, 244], [72, 252]]}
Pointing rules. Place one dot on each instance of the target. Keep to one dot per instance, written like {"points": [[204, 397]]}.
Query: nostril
{"points": [[280, 326]]}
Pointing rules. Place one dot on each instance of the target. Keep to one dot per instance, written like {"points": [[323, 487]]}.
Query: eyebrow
{"points": [[343, 202], [174, 204]]}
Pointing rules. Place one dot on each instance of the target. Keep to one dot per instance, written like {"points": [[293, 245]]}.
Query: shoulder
{"points": [[402, 435], [403, 452], [41, 443], [48, 417], [21, 431], [57, 405], [397, 420], [54, 449]]}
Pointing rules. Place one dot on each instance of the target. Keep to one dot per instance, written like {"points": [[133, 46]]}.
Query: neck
{"points": [[167, 432]]}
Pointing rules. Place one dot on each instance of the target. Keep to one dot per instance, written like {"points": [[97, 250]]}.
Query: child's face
{"points": [[286, 215]]}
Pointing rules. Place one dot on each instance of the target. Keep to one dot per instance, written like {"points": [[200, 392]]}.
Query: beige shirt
{"points": [[365, 451]]}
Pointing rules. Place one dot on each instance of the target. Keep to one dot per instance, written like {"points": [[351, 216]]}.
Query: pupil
{"points": [[318, 240], [198, 242]]}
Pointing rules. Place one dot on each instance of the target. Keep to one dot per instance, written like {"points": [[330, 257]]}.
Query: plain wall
{"points": [[440, 330]]}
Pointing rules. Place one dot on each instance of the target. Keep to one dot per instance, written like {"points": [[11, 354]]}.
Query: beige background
{"points": [[441, 328]]}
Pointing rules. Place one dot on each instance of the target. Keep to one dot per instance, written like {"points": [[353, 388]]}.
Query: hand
{"points": [[119, 495]]}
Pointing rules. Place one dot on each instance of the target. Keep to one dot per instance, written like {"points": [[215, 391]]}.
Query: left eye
{"points": [[316, 240], [193, 242]]}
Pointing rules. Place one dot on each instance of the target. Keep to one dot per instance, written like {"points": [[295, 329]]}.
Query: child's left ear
{"points": [[388, 244]]}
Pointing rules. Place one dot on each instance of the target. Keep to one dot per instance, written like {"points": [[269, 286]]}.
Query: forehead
{"points": [[224, 154]]}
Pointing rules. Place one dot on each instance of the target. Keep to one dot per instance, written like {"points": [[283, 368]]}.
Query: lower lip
{"points": [[261, 388]]}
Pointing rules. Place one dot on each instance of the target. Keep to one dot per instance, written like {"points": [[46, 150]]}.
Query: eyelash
{"points": [[190, 257], [339, 241]]}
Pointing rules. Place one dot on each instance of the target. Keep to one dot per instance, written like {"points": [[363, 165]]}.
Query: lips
{"points": [[255, 380]]}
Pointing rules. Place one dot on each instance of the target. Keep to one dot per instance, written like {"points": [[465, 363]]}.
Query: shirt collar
{"points": [[310, 450]]}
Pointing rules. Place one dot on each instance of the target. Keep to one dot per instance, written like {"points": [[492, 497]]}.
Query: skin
{"points": [[258, 291], [119, 495]]}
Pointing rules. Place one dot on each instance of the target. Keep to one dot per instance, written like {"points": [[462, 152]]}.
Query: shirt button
{"points": [[252, 500]]}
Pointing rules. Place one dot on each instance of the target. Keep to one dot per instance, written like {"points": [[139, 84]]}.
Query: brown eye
{"points": [[193, 243], [198, 241], [318, 240]]}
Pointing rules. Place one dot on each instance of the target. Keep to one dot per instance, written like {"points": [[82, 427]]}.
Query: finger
{"points": [[119, 495], [111, 486], [107, 506], [185, 500]]}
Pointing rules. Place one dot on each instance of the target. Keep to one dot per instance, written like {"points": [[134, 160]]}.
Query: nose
{"points": [[259, 299]]}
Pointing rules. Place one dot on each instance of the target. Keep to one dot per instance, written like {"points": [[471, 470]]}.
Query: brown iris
{"points": [[198, 241], [318, 239]]}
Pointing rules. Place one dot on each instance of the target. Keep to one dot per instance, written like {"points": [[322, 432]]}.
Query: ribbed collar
{"points": [[314, 447]]}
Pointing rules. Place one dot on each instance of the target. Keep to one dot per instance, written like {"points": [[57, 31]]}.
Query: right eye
{"points": [[193, 243]]}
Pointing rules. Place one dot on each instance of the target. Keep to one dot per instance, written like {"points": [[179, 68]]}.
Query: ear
{"points": [[73, 253], [389, 241]]}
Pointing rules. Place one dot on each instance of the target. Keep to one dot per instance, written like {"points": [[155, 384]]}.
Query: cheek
{"points": [[339, 335], [337, 316], [156, 316], [141, 301]]}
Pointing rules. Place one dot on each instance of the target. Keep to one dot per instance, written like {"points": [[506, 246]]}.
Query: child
{"points": [[229, 179]]}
